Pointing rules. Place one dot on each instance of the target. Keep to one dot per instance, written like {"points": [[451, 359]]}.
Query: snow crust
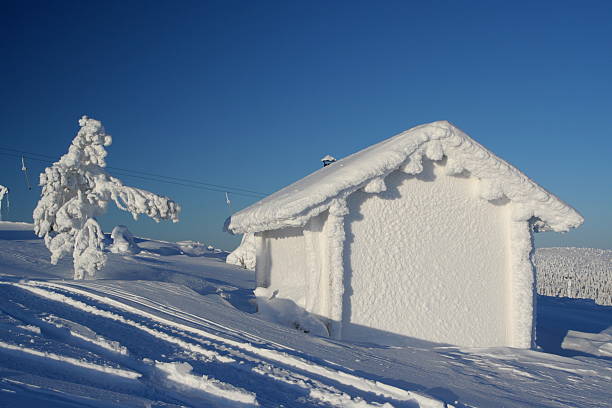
{"points": [[273, 355], [295, 204], [195, 248], [86, 334], [69, 360], [76, 190], [287, 313], [181, 373]]}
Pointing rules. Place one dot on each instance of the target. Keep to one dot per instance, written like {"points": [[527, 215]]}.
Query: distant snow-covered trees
{"points": [[76, 190], [575, 273]]}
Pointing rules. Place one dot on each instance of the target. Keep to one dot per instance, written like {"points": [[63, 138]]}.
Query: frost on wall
{"points": [[76, 189], [426, 259], [245, 255], [522, 296], [336, 236]]}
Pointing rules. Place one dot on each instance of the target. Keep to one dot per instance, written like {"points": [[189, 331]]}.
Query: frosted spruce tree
{"points": [[76, 190]]}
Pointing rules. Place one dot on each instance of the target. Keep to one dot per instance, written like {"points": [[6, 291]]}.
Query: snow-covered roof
{"points": [[295, 204]]}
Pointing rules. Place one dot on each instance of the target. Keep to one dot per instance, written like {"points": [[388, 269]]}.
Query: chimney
{"points": [[327, 160]]}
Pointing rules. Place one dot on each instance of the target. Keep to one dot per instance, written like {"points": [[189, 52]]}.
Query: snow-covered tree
{"points": [[76, 190]]}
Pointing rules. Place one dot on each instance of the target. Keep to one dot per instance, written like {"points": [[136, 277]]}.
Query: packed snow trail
{"points": [[206, 353]]}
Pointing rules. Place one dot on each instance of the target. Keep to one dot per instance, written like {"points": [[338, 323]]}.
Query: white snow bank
{"points": [[181, 373], [245, 255], [123, 241], [287, 313], [69, 360], [86, 334], [207, 354], [295, 204], [277, 356], [597, 344], [193, 248]]}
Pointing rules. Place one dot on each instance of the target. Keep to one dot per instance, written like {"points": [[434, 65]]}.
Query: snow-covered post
{"points": [[76, 189], [522, 280], [3, 192], [336, 236]]}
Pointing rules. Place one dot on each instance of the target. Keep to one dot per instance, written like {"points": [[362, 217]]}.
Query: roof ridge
{"points": [[295, 204]]}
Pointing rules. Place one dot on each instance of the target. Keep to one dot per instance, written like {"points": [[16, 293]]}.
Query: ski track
{"points": [[216, 363], [69, 360]]}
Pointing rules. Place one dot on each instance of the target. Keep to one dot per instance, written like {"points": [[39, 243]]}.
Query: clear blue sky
{"points": [[252, 93]]}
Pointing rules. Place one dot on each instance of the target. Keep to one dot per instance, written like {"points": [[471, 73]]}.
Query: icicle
{"points": [[25, 173]]}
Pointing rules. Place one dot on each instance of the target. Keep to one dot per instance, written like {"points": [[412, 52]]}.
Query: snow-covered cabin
{"points": [[426, 234]]}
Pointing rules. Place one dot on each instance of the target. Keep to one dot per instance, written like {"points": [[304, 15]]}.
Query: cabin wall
{"points": [[282, 263], [428, 259], [294, 262]]}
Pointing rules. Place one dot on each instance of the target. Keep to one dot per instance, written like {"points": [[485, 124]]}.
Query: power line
{"points": [[145, 173], [145, 176]]}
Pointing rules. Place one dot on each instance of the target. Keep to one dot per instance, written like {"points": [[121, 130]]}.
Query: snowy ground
{"points": [[165, 328]]}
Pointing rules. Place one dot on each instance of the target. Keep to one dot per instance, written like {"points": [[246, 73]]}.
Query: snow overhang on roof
{"points": [[295, 204]]}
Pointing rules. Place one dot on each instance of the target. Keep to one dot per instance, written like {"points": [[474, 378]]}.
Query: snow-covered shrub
{"points": [[76, 190], [123, 241], [244, 255], [192, 248], [575, 273]]}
